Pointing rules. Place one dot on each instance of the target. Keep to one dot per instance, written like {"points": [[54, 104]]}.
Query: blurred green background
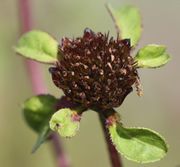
{"points": [[158, 109]]}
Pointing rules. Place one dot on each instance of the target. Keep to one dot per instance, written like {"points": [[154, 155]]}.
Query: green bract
{"points": [[138, 144], [65, 122], [39, 46], [128, 21], [152, 56], [38, 110], [43, 134]]}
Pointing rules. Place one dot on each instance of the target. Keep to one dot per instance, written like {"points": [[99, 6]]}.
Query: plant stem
{"points": [[36, 79], [62, 160], [114, 156]]}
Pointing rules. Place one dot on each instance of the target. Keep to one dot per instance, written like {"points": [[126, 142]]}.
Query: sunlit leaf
{"points": [[128, 22], [65, 122], [138, 144], [152, 56], [38, 110], [39, 46]]}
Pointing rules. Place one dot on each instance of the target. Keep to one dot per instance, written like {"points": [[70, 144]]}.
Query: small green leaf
{"points": [[128, 22], [152, 56], [38, 111], [43, 135], [39, 46], [138, 144], [65, 122]]}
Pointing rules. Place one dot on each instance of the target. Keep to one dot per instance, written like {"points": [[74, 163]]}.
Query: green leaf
{"points": [[128, 22], [152, 56], [65, 122], [43, 135], [138, 144], [38, 111], [39, 46]]}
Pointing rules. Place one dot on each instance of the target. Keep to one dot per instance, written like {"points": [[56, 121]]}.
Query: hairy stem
{"points": [[114, 156], [36, 79]]}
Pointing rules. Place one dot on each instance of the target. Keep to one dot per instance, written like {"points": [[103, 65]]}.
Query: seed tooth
{"points": [[64, 73], [123, 71], [88, 52], [86, 77], [94, 67], [99, 57], [112, 57], [82, 95], [109, 65], [101, 72], [85, 66], [69, 91], [72, 73], [110, 50]]}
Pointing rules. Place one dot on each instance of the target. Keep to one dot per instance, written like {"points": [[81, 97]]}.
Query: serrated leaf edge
{"points": [[122, 153], [67, 137], [33, 59], [112, 12], [163, 52], [15, 48]]}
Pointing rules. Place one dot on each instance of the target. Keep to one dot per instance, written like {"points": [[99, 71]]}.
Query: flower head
{"points": [[95, 70]]}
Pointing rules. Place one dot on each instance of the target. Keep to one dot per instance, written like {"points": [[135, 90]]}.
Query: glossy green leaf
{"points": [[43, 135], [38, 111], [39, 46], [152, 56], [138, 144], [128, 22], [65, 122]]}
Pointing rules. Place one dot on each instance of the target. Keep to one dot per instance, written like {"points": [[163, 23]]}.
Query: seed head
{"points": [[95, 70]]}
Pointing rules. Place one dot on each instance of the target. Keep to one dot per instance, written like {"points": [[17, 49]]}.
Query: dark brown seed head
{"points": [[95, 71]]}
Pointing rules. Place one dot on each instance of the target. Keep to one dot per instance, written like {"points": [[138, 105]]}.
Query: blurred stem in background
{"points": [[36, 79]]}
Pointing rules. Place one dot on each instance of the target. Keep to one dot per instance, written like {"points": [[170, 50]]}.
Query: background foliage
{"points": [[158, 109]]}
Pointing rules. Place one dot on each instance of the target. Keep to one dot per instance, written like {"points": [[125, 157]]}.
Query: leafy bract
{"points": [[152, 56], [37, 112], [138, 144], [38, 46], [43, 135], [128, 22], [66, 122]]}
